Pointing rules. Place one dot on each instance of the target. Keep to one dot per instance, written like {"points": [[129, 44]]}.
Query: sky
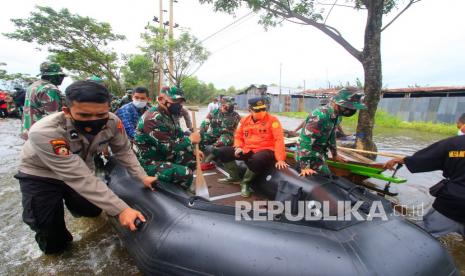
{"points": [[425, 46]]}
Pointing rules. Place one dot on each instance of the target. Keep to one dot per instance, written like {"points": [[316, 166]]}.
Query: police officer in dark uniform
{"points": [[448, 212]]}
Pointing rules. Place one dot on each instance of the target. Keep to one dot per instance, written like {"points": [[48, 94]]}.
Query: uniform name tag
{"points": [[457, 153]]}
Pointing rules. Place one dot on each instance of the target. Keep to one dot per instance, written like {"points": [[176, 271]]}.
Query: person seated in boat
{"points": [[161, 145], [218, 128], [448, 212], [259, 141], [318, 134], [461, 125]]}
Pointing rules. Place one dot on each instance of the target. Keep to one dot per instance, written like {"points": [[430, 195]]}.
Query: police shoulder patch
{"points": [[120, 126], [60, 147], [275, 125]]}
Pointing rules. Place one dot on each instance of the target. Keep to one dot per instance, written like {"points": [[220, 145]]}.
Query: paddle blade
{"points": [[201, 188]]}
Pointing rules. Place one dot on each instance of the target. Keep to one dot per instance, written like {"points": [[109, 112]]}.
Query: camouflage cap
{"points": [[51, 69], [349, 99], [228, 100], [173, 93]]}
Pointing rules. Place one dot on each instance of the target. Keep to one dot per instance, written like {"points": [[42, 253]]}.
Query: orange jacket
{"points": [[261, 135]]}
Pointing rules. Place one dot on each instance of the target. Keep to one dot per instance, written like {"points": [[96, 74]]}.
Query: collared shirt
{"points": [[129, 115], [55, 149], [255, 136], [447, 155]]}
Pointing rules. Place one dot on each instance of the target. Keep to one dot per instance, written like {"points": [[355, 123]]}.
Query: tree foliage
{"points": [[80, 44], [187, 51], [199, 92], [10, 81], [137, 71]]}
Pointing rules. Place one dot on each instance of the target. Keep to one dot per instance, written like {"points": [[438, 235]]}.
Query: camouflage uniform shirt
{"points": [[42, 99], [162, 148], [317, 135], [218, 128]]}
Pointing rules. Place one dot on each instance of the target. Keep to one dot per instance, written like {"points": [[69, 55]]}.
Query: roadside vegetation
{"points": [[386, 120]]}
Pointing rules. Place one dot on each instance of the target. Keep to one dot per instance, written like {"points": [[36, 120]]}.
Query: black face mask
{"points": [[175, 108], [347, 112], [90, 127]]}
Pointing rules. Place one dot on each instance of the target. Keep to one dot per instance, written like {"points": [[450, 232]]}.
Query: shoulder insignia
{"points": [[60, 146], [275, 125], [120, 126]]}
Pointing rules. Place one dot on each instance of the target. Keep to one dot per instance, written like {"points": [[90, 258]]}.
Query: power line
{"points": [[225, 27]]}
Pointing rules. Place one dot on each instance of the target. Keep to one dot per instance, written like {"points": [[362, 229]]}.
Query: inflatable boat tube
{"points": [[186, 235]]}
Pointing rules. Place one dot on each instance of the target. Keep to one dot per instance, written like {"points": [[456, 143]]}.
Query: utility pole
{"points": [[280, 69], [160, 60], [170, 53]]}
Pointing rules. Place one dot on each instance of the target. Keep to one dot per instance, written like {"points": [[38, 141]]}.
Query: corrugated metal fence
{"points": [[432, 109]]}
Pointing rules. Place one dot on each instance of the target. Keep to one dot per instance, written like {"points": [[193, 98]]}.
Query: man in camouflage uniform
{"points": [[43, 96], [160, 144], [219, 126], [318, 134], [262, 91], [126, 98]]}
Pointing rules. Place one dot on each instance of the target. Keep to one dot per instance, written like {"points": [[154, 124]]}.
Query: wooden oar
{"points": [[201, 188], [387, 154]]}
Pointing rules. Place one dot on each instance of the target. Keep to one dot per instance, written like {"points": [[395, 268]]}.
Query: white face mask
{"points": [[460, 132], [139, 104]]}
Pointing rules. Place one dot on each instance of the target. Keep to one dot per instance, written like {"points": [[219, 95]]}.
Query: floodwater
{"points": [[97, 249]]}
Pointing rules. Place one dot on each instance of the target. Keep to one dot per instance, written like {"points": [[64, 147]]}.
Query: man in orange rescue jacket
{"points": [[258, 141]]}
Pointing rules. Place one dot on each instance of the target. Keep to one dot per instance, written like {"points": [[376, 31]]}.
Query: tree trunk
{"points": [[371, 62]]}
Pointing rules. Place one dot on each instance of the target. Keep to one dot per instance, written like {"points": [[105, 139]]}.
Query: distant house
{"points": [[415, 92], [418, 92], [252, 90]]}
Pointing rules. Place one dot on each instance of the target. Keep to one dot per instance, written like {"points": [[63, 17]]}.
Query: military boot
{"points": [[233, 170], [245, 183], [209, 158]]}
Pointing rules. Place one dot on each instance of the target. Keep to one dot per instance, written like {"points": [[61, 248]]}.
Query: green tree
{"points": [[138, 71], [79, 44], [313, 13], [187, 51], [10, 81], [198, 92]]}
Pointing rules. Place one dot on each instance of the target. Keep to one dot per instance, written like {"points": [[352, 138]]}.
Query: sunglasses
{"points": [[258, 110]]}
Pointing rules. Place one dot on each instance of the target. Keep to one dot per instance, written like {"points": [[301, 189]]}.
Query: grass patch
{"points": [[384, 119]]}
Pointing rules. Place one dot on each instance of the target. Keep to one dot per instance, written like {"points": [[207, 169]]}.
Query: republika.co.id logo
{"points": [[313, 210]]}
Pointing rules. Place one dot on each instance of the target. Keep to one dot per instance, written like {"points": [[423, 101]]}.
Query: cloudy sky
{"points": [[425, 46]]}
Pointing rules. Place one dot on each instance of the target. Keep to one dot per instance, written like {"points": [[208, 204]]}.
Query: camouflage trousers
{"points": [[314, 160], [177, 169], [224, 140]]}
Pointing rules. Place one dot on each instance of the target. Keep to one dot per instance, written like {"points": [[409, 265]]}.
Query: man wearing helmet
{"points": [[319, 131], [43, 96]]}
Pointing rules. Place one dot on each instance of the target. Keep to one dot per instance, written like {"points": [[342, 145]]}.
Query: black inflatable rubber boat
{"points": [[187, 235]]}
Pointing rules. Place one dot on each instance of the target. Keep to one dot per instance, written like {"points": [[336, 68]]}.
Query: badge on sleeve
{"points": [[275, 125], [60, 147], [120, 126]]}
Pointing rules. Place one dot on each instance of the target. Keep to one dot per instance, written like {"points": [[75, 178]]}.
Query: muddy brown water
{"points": [[97, 249]]}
